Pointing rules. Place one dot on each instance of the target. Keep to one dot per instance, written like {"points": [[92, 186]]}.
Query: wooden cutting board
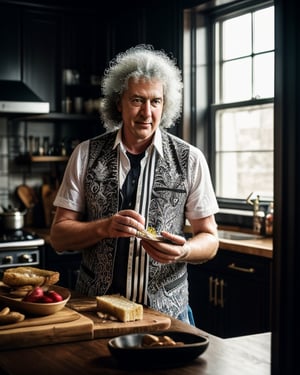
{"points": [[48, 195], [64, 326], [152, 320], [63, 316]]}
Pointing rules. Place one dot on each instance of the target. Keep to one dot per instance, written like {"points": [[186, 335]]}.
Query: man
{"points": [[133, 177]]}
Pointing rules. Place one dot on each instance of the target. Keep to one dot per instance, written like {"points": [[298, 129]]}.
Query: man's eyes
{"points": [[140, 101], [137, 100], [156, 102]]}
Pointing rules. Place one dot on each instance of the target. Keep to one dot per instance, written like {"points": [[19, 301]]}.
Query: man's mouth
{"points": [[144, 123]]}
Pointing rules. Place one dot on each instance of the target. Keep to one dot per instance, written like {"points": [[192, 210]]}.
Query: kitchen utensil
{"points": [[130, 353], [13, 219], [29, 198], [48, 195], [27, 195]]}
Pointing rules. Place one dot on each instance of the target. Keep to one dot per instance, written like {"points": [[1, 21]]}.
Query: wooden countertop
{"points": [[260, 247], [245, 355]]}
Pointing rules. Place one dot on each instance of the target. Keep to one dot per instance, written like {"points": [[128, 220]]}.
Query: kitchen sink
{"points": [[237, 236]]}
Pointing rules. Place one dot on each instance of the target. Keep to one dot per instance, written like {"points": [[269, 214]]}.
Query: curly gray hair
{"points": [[138, 62]]}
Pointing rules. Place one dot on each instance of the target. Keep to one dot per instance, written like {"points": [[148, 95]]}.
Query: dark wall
{"points": [[286, 281]]}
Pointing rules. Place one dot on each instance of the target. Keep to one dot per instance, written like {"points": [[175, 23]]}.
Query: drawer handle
{"points": [[216, 286], [221, 301], [232, 266], [216, 291], [211, 293], [213, 290]]}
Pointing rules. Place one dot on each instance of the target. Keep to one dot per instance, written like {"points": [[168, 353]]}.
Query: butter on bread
{"points": [[120, 307]]}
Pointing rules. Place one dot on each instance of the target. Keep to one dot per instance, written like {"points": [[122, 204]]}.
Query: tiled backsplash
{"points": [[13, 137]]}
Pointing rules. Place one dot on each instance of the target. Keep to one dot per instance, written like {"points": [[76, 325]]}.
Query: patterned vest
{"points": [[167, 286]]}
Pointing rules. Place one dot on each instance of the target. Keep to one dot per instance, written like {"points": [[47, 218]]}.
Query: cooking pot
{"points": [[13, 219]]}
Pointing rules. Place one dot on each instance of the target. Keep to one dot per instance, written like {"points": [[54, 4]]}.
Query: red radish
{"points": [[38, 295], [46, 299], [34, 295], [56, 297]]}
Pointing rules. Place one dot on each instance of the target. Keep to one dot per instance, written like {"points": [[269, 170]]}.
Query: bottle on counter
{"points": [[269, 220], [258, 217]]}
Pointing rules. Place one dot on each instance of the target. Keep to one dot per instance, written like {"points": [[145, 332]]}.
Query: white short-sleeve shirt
{"points": [[201, 201]]}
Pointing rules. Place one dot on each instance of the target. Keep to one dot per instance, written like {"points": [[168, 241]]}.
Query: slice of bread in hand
{"points": [[120, 307]]}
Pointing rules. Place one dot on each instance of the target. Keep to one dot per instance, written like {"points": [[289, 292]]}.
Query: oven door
{"points": [[21, 256]]}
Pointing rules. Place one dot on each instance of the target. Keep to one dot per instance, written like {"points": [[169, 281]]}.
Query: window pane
{"points": [[239, 174], [245, 128], [244, 151], [263, 30], [237, 82], [236, 47], [263, 86]]}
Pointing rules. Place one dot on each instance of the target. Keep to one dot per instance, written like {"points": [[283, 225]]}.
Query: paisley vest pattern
{"points": [[167, 285]]}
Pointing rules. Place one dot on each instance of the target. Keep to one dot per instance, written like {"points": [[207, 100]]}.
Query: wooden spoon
{"points": [[27, 195]]}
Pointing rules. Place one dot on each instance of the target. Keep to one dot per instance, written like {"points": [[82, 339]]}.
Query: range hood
{"points": [[16, 97]]}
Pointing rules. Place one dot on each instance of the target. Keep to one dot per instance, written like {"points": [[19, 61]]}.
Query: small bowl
{"points": [[39, 308], [129, 352]]}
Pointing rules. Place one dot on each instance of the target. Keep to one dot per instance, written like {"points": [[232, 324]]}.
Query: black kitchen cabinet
{"points": [[230, 295], [10, 43], [67, 264], [41, 68]]}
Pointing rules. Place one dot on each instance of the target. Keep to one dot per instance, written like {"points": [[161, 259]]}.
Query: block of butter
{"points": [[120, 307]]}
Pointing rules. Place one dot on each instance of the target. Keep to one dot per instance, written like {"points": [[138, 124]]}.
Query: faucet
{"points": [[258, 215]]}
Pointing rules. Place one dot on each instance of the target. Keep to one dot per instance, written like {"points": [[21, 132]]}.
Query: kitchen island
{"points": [[241, 355]]}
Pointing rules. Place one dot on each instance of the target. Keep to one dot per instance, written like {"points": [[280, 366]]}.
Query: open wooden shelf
{"points": [[47, 159]]}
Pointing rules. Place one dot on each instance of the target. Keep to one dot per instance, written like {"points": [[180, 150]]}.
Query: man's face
{"points": [[141, 107]]}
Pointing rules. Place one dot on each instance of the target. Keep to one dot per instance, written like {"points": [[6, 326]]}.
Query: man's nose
{"points": [[146, 108]]}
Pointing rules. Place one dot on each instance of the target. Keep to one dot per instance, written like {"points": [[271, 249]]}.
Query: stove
{"points": [[19, 238], [20, 248]]}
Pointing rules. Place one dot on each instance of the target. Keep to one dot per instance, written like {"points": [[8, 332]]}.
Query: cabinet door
{"points": [[41, 62], [10, 43], [201, 297], [84, 44], [247, 297], [230, 295]]}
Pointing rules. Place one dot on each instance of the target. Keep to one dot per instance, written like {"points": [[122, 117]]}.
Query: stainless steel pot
{"points": [[13, 219]]}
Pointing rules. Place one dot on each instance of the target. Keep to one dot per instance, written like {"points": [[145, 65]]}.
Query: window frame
{"points": [[205, 125]]}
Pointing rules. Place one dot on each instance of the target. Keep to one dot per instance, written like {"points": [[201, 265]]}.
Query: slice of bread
{"points": [[20, 276], [120, 307]]}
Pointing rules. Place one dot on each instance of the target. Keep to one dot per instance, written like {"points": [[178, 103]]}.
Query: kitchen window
{"points": [[229, 53]]}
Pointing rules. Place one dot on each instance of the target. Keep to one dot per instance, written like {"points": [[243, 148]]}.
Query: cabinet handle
{"points": [[213, 290], [216, 282], [211, 296], [216, 287], [221, 300], [232, 266]]}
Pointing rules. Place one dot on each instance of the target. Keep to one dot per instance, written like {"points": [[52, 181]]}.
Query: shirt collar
{"points": [[156, 141]]}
